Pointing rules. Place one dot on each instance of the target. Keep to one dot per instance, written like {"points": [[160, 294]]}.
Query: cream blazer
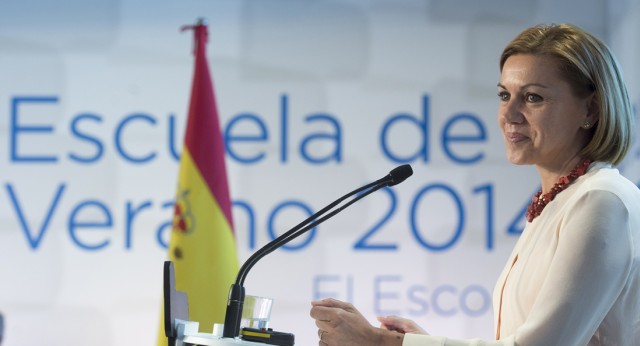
{"points": [[573, 277]]}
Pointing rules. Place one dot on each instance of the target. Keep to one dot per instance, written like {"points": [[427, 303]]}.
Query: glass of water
{"points": [[256, 312]]}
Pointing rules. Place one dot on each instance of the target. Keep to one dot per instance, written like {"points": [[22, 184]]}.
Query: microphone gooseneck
{"points": [[235, 302]]}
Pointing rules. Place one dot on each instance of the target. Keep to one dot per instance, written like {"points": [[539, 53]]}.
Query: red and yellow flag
{"points": [[202, 244]]}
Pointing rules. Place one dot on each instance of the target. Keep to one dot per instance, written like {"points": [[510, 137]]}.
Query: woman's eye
{"points": [[503, 96], [533, 98]]}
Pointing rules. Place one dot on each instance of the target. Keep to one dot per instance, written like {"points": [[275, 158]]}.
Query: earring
{"points": [[586, 125]]}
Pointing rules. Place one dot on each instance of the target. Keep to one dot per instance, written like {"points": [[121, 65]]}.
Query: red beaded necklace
{"points": [[538, 203]]}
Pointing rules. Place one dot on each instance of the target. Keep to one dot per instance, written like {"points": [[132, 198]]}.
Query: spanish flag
{"points": [[202, 244]]}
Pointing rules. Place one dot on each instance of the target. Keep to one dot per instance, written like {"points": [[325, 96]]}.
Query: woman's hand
{"points": [[401, 325], [341, 324]]}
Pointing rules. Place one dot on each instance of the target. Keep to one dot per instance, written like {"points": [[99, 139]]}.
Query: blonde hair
{"points": [[588, 65]]}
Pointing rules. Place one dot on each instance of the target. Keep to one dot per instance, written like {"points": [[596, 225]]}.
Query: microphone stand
{"points": [[233, 315]]}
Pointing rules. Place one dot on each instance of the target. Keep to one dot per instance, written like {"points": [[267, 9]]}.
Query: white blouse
{"points": [[573, 277]]}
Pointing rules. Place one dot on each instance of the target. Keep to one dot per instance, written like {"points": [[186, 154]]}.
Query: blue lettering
{"points": [[489, 203], [118, 138], [231, 138], [414, 216], [75, 225], [284, 125], [272, 218], [436, 300], [34, 242], [363, 242], [318, 293], [423, 126], [336, 137], [379, 294], [516, 226], [417, 295], [131, 215], [16, 129], [163, 231], [88, 138], [448, 139], [251, 221], [485, 300], [175, 154]]}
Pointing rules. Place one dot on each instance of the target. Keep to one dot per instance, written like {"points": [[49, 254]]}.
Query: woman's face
{"points": [[539, 115]]}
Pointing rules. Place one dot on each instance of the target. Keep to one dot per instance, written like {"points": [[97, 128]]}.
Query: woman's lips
{"points": [[515, 137]]}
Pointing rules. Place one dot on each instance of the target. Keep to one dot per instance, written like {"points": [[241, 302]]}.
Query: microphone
{"points": [[399, 174], [233, 314]]}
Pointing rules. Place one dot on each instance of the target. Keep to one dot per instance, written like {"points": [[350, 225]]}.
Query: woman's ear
{"points": [[593, 111]]}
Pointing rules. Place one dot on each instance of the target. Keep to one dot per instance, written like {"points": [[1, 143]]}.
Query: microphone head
{"points": [[399, 174]]}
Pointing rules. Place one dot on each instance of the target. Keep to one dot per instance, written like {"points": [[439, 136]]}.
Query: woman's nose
{"points": [[511, 112]]}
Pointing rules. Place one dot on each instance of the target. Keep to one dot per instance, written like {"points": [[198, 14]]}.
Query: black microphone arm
{"points": [[233, 315]]}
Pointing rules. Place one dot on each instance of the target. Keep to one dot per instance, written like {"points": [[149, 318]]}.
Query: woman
{"points": [[574, 275]]}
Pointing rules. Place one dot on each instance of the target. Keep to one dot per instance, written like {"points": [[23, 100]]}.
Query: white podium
{"points": [[187, 334]]}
